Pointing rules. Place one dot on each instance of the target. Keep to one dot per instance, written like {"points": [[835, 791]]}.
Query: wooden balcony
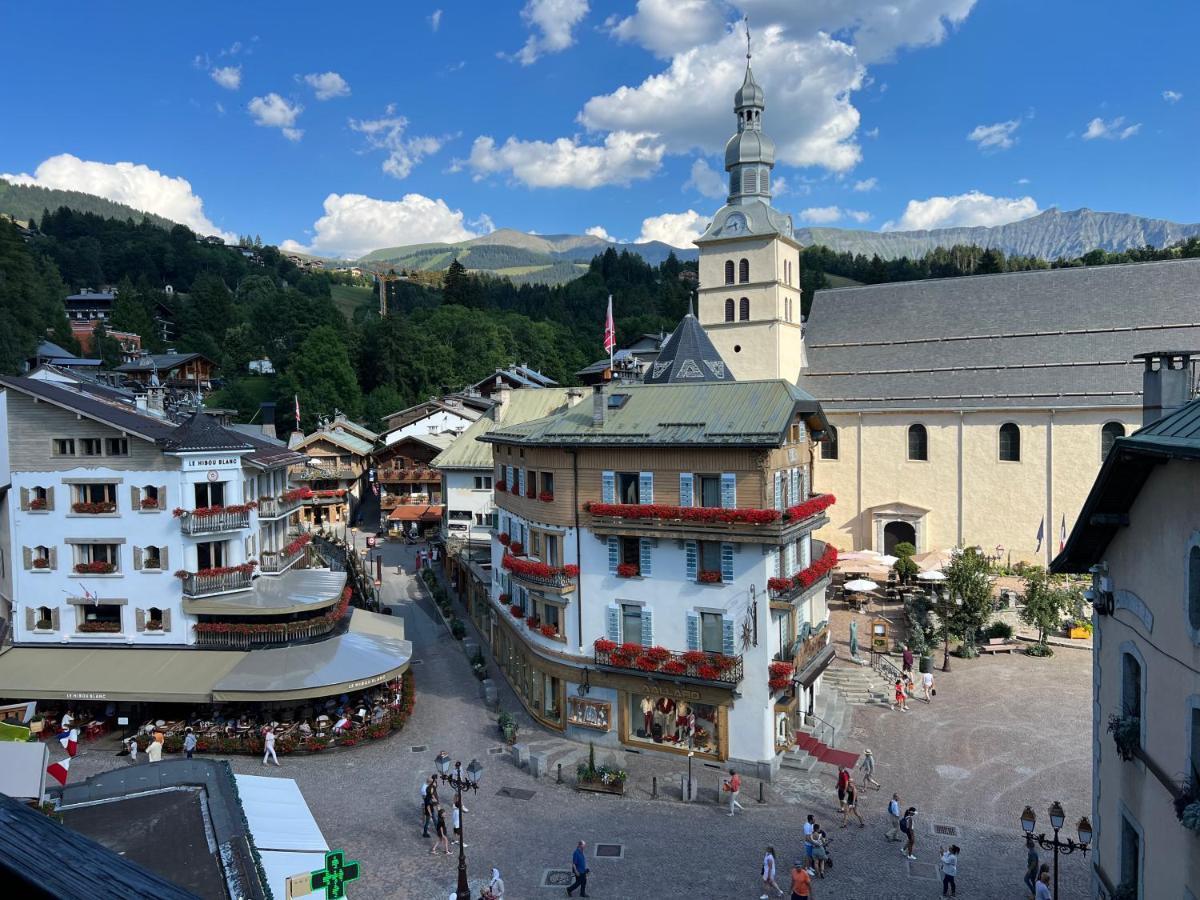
{"points": [[277, 507], [323, 473], [807, 647], [391, 501], [691, 665], [214, 523], [410, 475], [199, 585]]}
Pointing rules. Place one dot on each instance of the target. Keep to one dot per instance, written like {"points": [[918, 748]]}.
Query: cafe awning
{"points": [[371, 652], [416, 513], [298, 590]]}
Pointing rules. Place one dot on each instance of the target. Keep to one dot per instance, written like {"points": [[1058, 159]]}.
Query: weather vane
{"points": [[746, 21]]}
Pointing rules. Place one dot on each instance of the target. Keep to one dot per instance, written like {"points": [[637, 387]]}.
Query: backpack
{"points": [[906, 824]]}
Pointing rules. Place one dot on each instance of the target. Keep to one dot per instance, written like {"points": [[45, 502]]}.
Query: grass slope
{"points": [[348, 298]]}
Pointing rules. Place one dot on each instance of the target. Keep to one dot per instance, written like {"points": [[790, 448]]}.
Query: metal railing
{"points": [[714, 667], [885, 667], [281, 633], [205, 585], [212, 523], [413, 473], [272, 562], [274, 507]]}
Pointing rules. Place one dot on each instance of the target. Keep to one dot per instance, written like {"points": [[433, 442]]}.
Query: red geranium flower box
{"points": [[708, 673], [627, 570], [674, 667], [629, 648], [516, 611], [503, 538], [694, 657], [604, 645], [549, 631], [709, 577], [646, 664], [546, 496]]}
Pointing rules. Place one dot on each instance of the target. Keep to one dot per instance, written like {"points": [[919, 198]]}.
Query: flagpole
{"points": [[612, 342]]}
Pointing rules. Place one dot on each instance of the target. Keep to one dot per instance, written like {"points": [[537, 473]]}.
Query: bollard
{"points": [[560, 773], [760, 793], [654, 787], [720, 785]]}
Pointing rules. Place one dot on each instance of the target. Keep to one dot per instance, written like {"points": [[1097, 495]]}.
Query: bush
{"points": [[1000, 629], [1039, 650], [458, 629], [505, 719]]}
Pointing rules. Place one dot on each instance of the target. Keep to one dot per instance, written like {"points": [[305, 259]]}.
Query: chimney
{"points": [[267, 409], [598, 405], [1166, 382], [574, 395], [501, 397]]}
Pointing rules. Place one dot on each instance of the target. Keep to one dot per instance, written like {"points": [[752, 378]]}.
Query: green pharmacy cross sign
{"points": [[332, 879]]}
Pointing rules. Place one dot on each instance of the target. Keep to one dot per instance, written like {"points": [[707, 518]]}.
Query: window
{"points": [[918, 443], [829, 443], [796, 433], [631, 553], [1108, 436], [729, 272], [744, 271], [744, 309], [1010, 442], [712, 632], [41, 558], [709, 493], [535, 544], [1131, 685], [154, 619], [631, 624], [483, 482], [211, 555], [211, 493], [39, 498], [94, 499], [548, 483], [64, 446], [150, 497], [484, 519], [90, 446], [710, 557], [627, 487], [45, 619], [151, 558], [117, 446], [1131, 853], [1194, 588], [97, 559], [550, 616], [550, 554], [750, 181], [729, 309], [99, 617]]}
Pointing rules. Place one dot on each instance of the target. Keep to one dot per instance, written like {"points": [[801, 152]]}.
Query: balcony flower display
{"points": [[780, 585], [571, 570], [98, 567], [646, 664], [300, 493], [534, 569], [546, 496], [706, 576], [810, 507], [41, 562], [549, 631], [245, 568], [503, 538], [532, 621], [96, 508], [516, 548], [504, 598], [516, 611], [499, 486], [780, 675], [622, 660], [604, 645], [100, 627], [627, 570], [281, 629], [629, 648], [234, 508], [694, 657], [150, 503], [708, 673], [706, 514], [326, 495], [37, 503], [674, 667], [297, 545], [818, 569]]}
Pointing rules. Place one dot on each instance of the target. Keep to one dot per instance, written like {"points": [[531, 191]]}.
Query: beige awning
{"points": [[114, 673], [297, 590]]}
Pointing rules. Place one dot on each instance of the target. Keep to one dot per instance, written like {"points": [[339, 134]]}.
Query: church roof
{"points": [[688, 357], [749, 94], [1052, 337]]}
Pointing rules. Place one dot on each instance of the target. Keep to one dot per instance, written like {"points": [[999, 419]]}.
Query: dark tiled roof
{"points": [[200, 431], [81, 400], [1060, 337], [164, 362], [688, 357]]}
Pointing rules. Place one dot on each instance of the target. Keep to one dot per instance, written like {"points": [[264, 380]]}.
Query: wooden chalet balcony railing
{"points": [[391, 501], [213, 522], [412, 474], [240, 637], [323, 473], [202, 585], [696, 665]]}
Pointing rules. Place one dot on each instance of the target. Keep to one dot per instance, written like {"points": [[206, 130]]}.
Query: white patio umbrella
{"points": [[931, 575], [887, 560], [859, 554], [860, 584]]}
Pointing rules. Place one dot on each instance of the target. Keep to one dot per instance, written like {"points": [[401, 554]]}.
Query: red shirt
{"points": [[735, 784]]}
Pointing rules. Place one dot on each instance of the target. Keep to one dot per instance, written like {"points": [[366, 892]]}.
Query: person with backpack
{"points": [[908, 829], [894, 812]]}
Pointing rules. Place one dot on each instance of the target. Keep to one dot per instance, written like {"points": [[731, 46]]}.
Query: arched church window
{"points": [[918, 443], [1108, 436], [729, 271], [744, 309], [729, 310], [744, 271], [829, 443], [1010, 442]]}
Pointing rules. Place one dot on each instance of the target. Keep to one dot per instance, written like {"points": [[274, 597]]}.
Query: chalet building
{"points": [[1139, 536], [655, 580], [85, 333], [338, 459], [50, 354], [410, 488], [91, 307], [440, 415], [175, 371]]}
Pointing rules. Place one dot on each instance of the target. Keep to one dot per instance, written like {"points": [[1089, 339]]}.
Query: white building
{"points": [[451, 414]]}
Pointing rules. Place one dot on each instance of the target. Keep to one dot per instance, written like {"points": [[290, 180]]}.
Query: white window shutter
{"points": [[774, 563], [789, 557], [645, 487], [690, 555], [162, 559], [645, 555], [30, 621], [166, 613], [137, 559], [53, 557], [728, 490], [686, 489], [693, 631], [804, 484], [608, 487], [612, 620], [726, 562], [24, 498], [162, 496], [727, 643], [794, 485], [27, 556], [521, 480], [54, 618], [614, 555], [50, 497], [779, 491], [139, 619], [135, 498], [806, 551], [647, 627]]}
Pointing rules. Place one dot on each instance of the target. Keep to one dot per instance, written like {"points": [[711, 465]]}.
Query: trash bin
{"points": [[926, 664]]}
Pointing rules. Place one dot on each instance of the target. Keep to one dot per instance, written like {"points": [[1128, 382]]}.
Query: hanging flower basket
{"points": [[709, 577], [627, 570]]}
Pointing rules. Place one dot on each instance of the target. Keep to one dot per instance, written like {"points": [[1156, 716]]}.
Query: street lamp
{"points": [[1058, 818], [460, 781]]}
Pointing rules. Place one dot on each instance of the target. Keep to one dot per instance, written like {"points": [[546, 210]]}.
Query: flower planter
{"points": [[1079, 634], [599, 787]]}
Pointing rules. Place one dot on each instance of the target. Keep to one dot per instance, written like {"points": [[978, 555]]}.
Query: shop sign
{"points": [[595, 714], [667, 689], [86, 695], [332, 879]]}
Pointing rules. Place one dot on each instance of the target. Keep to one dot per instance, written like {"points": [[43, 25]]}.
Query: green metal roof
{"points": [[341, 437], [740, 414], [523, 405]]}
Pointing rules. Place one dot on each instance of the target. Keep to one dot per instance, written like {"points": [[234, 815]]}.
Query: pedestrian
{"points": [[868, 769], [495, 887], [907, 660], [1031, 865], [440, 836], [809, 828], [580, 870], [820, 852], [457, 812], [801, 881], [843, 779], [428, 803], [927, 686], [949, 866], [850, 807], [154, 751], [189, 743], [734, 786], [269, 746], [1043, 887], [908, 829], [132, 744], [768, 875], [899, 697], [894, 812]]}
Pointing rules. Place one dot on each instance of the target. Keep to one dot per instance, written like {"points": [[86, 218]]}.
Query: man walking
{"points": [[906, 665], [429, 800], [189, 743], [734, 786], [1031, 865], [894, 814], [269, 746], [868, 769], [850, 806], [580, 870], [801, 881], [810, 826]]}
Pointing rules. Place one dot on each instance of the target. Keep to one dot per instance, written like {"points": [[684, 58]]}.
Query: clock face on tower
{"points": [[735, 224]]}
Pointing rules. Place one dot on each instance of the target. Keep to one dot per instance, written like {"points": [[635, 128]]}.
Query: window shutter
{"points": [[726, 562], [30, 621], [727, 645], [806, 551], [779, 491], [139, 619], [690, 554], [162, 496], [53, 557], [54, 618], [50, 497], [135, 498], [773, 567], [608, 487], [794, 485], [789, 557], [27, 556], [162, 558], [614, 555], [647, 627], [137, 558], [166, 616], [24, 498], [613, 622], [521, 480], [686, 488], [644, 555], [693, 631], [728, 490], [645, 487], [804, 484]]}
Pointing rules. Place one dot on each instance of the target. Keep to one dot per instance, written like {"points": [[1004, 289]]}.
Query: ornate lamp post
{"points": [[460, 781], [1057, 818]]}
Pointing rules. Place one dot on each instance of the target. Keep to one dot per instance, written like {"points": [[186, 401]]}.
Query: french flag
{"points": [[58, 770], [69, 740]]}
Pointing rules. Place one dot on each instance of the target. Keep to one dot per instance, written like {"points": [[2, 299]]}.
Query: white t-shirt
{"points": [[270, 739], [768, 868], [808, 830], [927, 679]]}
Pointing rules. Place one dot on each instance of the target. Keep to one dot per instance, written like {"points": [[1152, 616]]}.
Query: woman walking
{"points": [[441, 837], [949, 870], [820, 851], [768, 875], [850, 806]]}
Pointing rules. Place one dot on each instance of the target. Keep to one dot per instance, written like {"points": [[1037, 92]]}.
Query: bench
{"points": [[1006, 647]]}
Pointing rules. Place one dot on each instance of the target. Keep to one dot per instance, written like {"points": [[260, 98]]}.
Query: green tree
{"points": [[321, 375], [105, 347], [968, 578], [133, 312], [905, 566], [1047, 599], [382, 401], [454, 283]]}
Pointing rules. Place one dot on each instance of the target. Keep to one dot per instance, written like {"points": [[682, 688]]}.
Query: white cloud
{"points": [[272, 111], [133, 184], [483, 224], [229, 77], [999, 136], [354, 224], [667, 27], [599, 231], [435, 20], [858, 215], [706, 180], [388, 133], [623, 158], [327, 85], [971, 208], [552, 21], [1112, 130], [779, 186], [872, 133], [866, 184], [676, 229], [821, 215], [1172, 96]]}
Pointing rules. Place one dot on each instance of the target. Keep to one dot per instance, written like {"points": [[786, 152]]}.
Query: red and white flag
{"points": [[58, 770], [610, 331], [69, 740]]}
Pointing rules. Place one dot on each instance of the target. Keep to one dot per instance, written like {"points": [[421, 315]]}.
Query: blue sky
{"points": [[345, 128]]}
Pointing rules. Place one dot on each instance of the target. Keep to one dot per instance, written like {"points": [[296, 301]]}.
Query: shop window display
{"points": [[541, 692], [684, 724]]}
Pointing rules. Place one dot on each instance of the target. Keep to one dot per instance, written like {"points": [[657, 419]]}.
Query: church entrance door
{"points": [[897, 533]]}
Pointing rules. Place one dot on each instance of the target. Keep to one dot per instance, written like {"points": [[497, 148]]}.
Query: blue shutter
{"points": [[608, 487], [690, 554], [612, 620], [645, 487], [693, 631], [727, 563], [647, 627], [521, 478], [644, 555], [686, 489], [614, 555], [728, 490], [727, 645], [779, 491]]}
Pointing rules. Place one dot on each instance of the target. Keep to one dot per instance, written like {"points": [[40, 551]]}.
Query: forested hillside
{"points": [[25, 202]]}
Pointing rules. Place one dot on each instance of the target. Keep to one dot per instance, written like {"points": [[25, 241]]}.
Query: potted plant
{"points": [[1079, 629], [599, 779], [999, 632], [508, 726], [458, 629], [1126, 730]]}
